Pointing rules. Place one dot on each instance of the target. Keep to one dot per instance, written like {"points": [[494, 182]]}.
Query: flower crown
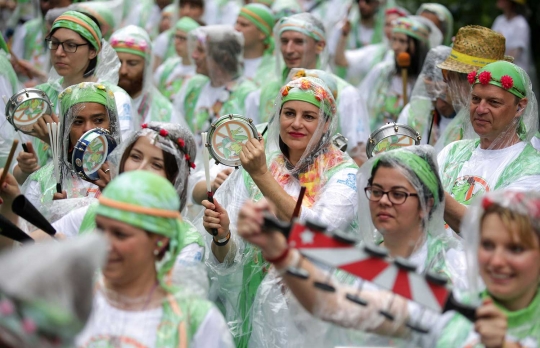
{"points": [[178, 141], [307, 85], [515, 201], [485, 78]]}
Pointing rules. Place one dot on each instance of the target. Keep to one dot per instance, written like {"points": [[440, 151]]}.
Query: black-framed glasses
{"points": [[68, 47], [394, 196]]}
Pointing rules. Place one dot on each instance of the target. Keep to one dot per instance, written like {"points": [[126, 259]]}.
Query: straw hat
{"points": [[475, 47]]}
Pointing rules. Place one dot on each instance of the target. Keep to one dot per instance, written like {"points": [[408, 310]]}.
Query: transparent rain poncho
{"points": [[40, 187], [329, 177], [151, 104], [172, 316], [467, 170], [430, 90], [512, 207], [108, 13], [105, 72], [382, 88], [220, 89], [443, 15], [434, 249], [47, 302]]}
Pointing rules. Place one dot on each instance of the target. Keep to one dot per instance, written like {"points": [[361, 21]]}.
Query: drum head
{"points": [[95, 155], [227, 136], [26, 107], [390, 137]]}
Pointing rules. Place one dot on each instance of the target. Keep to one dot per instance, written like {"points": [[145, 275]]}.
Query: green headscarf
{"points": [[417, 165], [311, 90], [103, 13], [502, 74], [444, 15], [147, 201], [413, 28], [86, 92], [82, 25], [262, 17], [186, 24], [132, 39], [299, 23]]}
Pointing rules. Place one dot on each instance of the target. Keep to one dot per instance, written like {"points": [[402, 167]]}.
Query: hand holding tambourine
{"points": [[253, 157]]}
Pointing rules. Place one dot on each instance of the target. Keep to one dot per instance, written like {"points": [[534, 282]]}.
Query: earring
{"points": [[159, 243], [156, 252]]}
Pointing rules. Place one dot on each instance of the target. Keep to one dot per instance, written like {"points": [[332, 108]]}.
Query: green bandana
{"points": [[418, 165], [412, 28], [311, 90], [186, 24], [502, 74], [263, 19], [103, 13], [134, 40], [82, 25], [86, 92], [147, 201], [300, 25]]}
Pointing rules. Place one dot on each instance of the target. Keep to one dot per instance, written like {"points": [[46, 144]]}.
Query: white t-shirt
{"points": [[179, 71], [518, 35], [159, 47], [251, 66], [482, 171], [110, 325]]}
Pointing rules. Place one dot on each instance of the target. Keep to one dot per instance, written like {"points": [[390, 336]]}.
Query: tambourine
{"points": [[227, 136], [91, 152], [26, 107], [391, 136]]}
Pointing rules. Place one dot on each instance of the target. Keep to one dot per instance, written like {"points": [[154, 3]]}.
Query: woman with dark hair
{"points": [[78, 54], [383, 87]]}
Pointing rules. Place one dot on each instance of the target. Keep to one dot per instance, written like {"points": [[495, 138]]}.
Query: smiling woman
{"points": [[298, 152]]}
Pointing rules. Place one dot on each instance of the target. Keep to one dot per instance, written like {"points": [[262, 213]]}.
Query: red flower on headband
{"points": [[486, 203], [507, 82], [285, 92], [144, 125], [484, 77], [187, 157], [130, 42], [181, 142], [472, 77], [305, 84], [163, 132], [192, 165]]}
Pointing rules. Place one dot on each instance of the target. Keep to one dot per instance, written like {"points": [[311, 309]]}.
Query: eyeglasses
{"points": [[68, 47], [394, 196]]}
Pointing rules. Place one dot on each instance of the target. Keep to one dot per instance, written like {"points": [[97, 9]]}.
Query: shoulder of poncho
{"points": [[42, 173], [33, 24], [197, 81]]}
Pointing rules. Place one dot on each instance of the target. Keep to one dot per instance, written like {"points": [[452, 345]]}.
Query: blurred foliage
{"points": [[484, 12]]}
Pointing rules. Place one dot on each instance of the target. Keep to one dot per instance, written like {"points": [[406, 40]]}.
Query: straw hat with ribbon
{"points": [[475, 47]]}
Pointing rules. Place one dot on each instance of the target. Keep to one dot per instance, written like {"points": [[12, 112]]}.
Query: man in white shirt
{"points": [[504, 114]]}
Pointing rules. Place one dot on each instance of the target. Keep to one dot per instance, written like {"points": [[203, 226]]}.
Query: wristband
{"points": [[222, 242], [280, 258], [295, 259]]}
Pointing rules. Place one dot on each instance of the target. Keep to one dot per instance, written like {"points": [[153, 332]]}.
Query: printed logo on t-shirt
{"points": [[467, 187], [351, 181]]}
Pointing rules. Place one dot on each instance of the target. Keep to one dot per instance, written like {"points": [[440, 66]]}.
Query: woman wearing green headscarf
{"points": [[83, 107], [177, 67], [441, 17], [134, 302], [401, 209], [298, 152], [78, 54]]}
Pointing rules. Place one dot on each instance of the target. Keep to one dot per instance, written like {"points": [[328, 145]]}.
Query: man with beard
{"points": [[134, 50], [28, 43]]}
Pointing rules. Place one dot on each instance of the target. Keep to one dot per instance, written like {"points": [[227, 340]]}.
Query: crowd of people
{"points": [[143, 240]]}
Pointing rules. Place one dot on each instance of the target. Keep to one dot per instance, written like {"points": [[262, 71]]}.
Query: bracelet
{"points": [[281, 257], [222, 242]]}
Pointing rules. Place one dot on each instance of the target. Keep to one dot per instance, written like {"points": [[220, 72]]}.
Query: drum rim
{"points": [[409, 131], [220, 121], [101, 132], [12, 105]]}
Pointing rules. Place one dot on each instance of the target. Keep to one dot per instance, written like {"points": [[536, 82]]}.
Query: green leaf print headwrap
{"points": [[262, 17], [82, 25], [147, 201], [418, 165]]}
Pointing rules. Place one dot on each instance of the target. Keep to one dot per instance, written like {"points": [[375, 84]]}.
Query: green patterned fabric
{"points": [[34, 47], [86, 92], [413, 28], [103, 13], [418, 165], [262, 17], [186, 24], [133, 40], [495, 73], [3, 45], [82, 25], [444, 16]]}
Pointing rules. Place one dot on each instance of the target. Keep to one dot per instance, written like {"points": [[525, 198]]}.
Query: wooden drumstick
{"points": [[8, 162], [296, 212], [404, 61], [206, 163]]}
